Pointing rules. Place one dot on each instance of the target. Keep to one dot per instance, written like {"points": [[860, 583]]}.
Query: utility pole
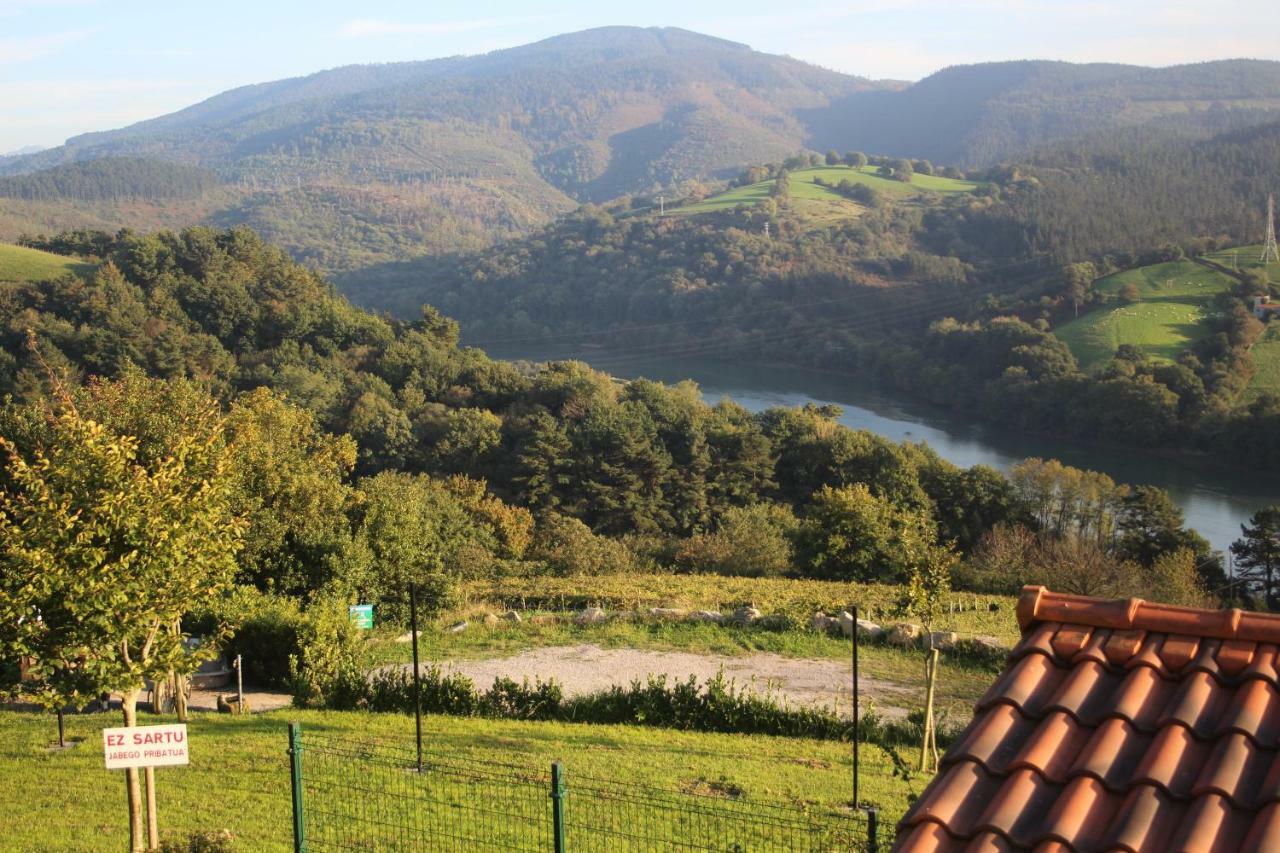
{"points": [[1269, 251], [662, 206], [766, 230]]}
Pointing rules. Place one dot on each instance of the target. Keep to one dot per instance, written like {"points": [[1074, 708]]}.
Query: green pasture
{"points": [[811, 197], [1246, 258], [1266, 357], [238, 778], [1175, 299], [19, 263]]}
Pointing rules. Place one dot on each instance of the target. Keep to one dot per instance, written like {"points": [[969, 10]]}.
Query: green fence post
{"points": [[558, 792], [873, 826], [295, 772]]}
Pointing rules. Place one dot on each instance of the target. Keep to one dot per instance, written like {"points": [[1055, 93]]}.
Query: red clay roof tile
{"points": [[1117, 725]]}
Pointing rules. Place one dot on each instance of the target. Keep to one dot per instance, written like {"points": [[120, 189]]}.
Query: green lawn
{"points": [[814, 199], [238, 778], [1174, 301], [19, 263]]}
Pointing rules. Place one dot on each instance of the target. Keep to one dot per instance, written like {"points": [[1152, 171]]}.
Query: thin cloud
{"points": [[25, 49], [368, 27]]}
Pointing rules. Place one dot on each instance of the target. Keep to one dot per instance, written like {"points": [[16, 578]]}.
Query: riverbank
{"points": [[1215, 499]]}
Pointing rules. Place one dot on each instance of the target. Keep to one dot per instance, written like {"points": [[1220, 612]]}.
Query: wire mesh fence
{"points": [[350, 795]]}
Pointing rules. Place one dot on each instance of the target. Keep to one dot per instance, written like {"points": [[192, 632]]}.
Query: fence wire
{"points": [[370, 796]]}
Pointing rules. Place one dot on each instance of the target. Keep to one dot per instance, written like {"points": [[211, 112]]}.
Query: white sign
{"points": [[145, 746]]}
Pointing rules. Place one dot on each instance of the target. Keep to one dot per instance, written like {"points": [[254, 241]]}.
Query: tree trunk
{"points": [[129, 707]]}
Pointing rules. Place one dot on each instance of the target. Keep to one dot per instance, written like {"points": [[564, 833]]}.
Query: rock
{"points": [[511, 616], [845, 621], [407, 637], [944, 640], [491, 619], [868, 630], [458, 627], [823, 624], [744, 616], [905, 634], [711, 616], [989, 643], [230, 704], [668, 612], [774, 622], [591, 616]]}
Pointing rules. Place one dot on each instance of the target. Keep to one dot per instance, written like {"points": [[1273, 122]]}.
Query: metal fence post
{"points": [[295, 772], [417, 677], [873, 828], [558, 792]]}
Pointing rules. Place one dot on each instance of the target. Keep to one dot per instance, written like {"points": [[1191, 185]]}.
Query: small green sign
{"points": [[361, 616]]}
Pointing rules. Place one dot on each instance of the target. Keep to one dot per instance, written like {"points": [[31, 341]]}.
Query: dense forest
{"points": [[110, 178], [394, 451]]}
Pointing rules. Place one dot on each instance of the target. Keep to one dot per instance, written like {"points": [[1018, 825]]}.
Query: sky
{"points": [[72, 66]]}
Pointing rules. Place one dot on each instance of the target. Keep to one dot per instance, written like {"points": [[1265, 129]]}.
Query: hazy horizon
{"points": [[78, 66]]}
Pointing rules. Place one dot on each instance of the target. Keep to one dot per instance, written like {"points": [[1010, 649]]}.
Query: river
{"points": [[1216, 500]]}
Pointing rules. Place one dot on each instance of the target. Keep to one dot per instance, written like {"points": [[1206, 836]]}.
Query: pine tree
{"points": [[1257, 553]]}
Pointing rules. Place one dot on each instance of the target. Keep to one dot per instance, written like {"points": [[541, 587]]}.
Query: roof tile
{"points": [[1117, 725]]}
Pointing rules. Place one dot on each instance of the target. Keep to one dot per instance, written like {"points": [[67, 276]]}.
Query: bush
{"points": [[568, 547], [753, 541], [265, 631], [326, 670]]}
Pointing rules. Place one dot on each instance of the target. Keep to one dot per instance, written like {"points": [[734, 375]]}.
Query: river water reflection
{"points": [[1216, 500]]}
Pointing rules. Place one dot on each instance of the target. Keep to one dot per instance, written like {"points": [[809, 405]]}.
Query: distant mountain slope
{"points": [[977, 115], [366, 164], [378, 162]]}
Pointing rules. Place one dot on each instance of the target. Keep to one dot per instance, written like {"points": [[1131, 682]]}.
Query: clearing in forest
{"points": [[19, 263], [808, 196], [1174, 303]]}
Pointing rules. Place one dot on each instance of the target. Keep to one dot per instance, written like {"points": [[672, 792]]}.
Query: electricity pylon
{"points": [[1269, 252]]}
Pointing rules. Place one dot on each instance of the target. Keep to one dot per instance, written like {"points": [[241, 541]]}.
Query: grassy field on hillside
{"points": [[811, 198], [238, 778], [1175, 299], [1266, 357], [1246, 258], [19, 263]]}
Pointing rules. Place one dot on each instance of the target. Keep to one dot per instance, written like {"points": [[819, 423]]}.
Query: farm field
{"points": [[19, 263], [1175, 299], [238, 778], [1246, 258], [810, 198], [1266, 357]]}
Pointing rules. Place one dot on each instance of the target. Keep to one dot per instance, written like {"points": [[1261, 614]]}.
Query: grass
{"points": [[238, 778], [1174, 302], [1266, 357], [808, 197], [19, 263], [1246, 258], [794, 598]]}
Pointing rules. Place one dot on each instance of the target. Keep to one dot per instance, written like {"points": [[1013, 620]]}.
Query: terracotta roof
{"points": [[1117, 725]]}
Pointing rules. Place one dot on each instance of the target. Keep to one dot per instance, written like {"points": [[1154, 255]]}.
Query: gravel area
{"points": [[588, 668]]}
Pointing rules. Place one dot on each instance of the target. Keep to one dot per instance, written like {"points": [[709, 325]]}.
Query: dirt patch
{"points": [[589, 668]]}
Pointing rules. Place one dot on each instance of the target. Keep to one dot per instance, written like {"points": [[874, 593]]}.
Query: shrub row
{"points": [[718, 705]]}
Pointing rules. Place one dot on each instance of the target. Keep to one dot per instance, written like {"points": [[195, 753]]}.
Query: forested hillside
{"points": [[360, 164], [980, 115], [656, 476], [367, 164]]}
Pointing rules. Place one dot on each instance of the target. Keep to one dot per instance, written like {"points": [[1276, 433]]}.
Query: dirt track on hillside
{"points": [[588, 668]]}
